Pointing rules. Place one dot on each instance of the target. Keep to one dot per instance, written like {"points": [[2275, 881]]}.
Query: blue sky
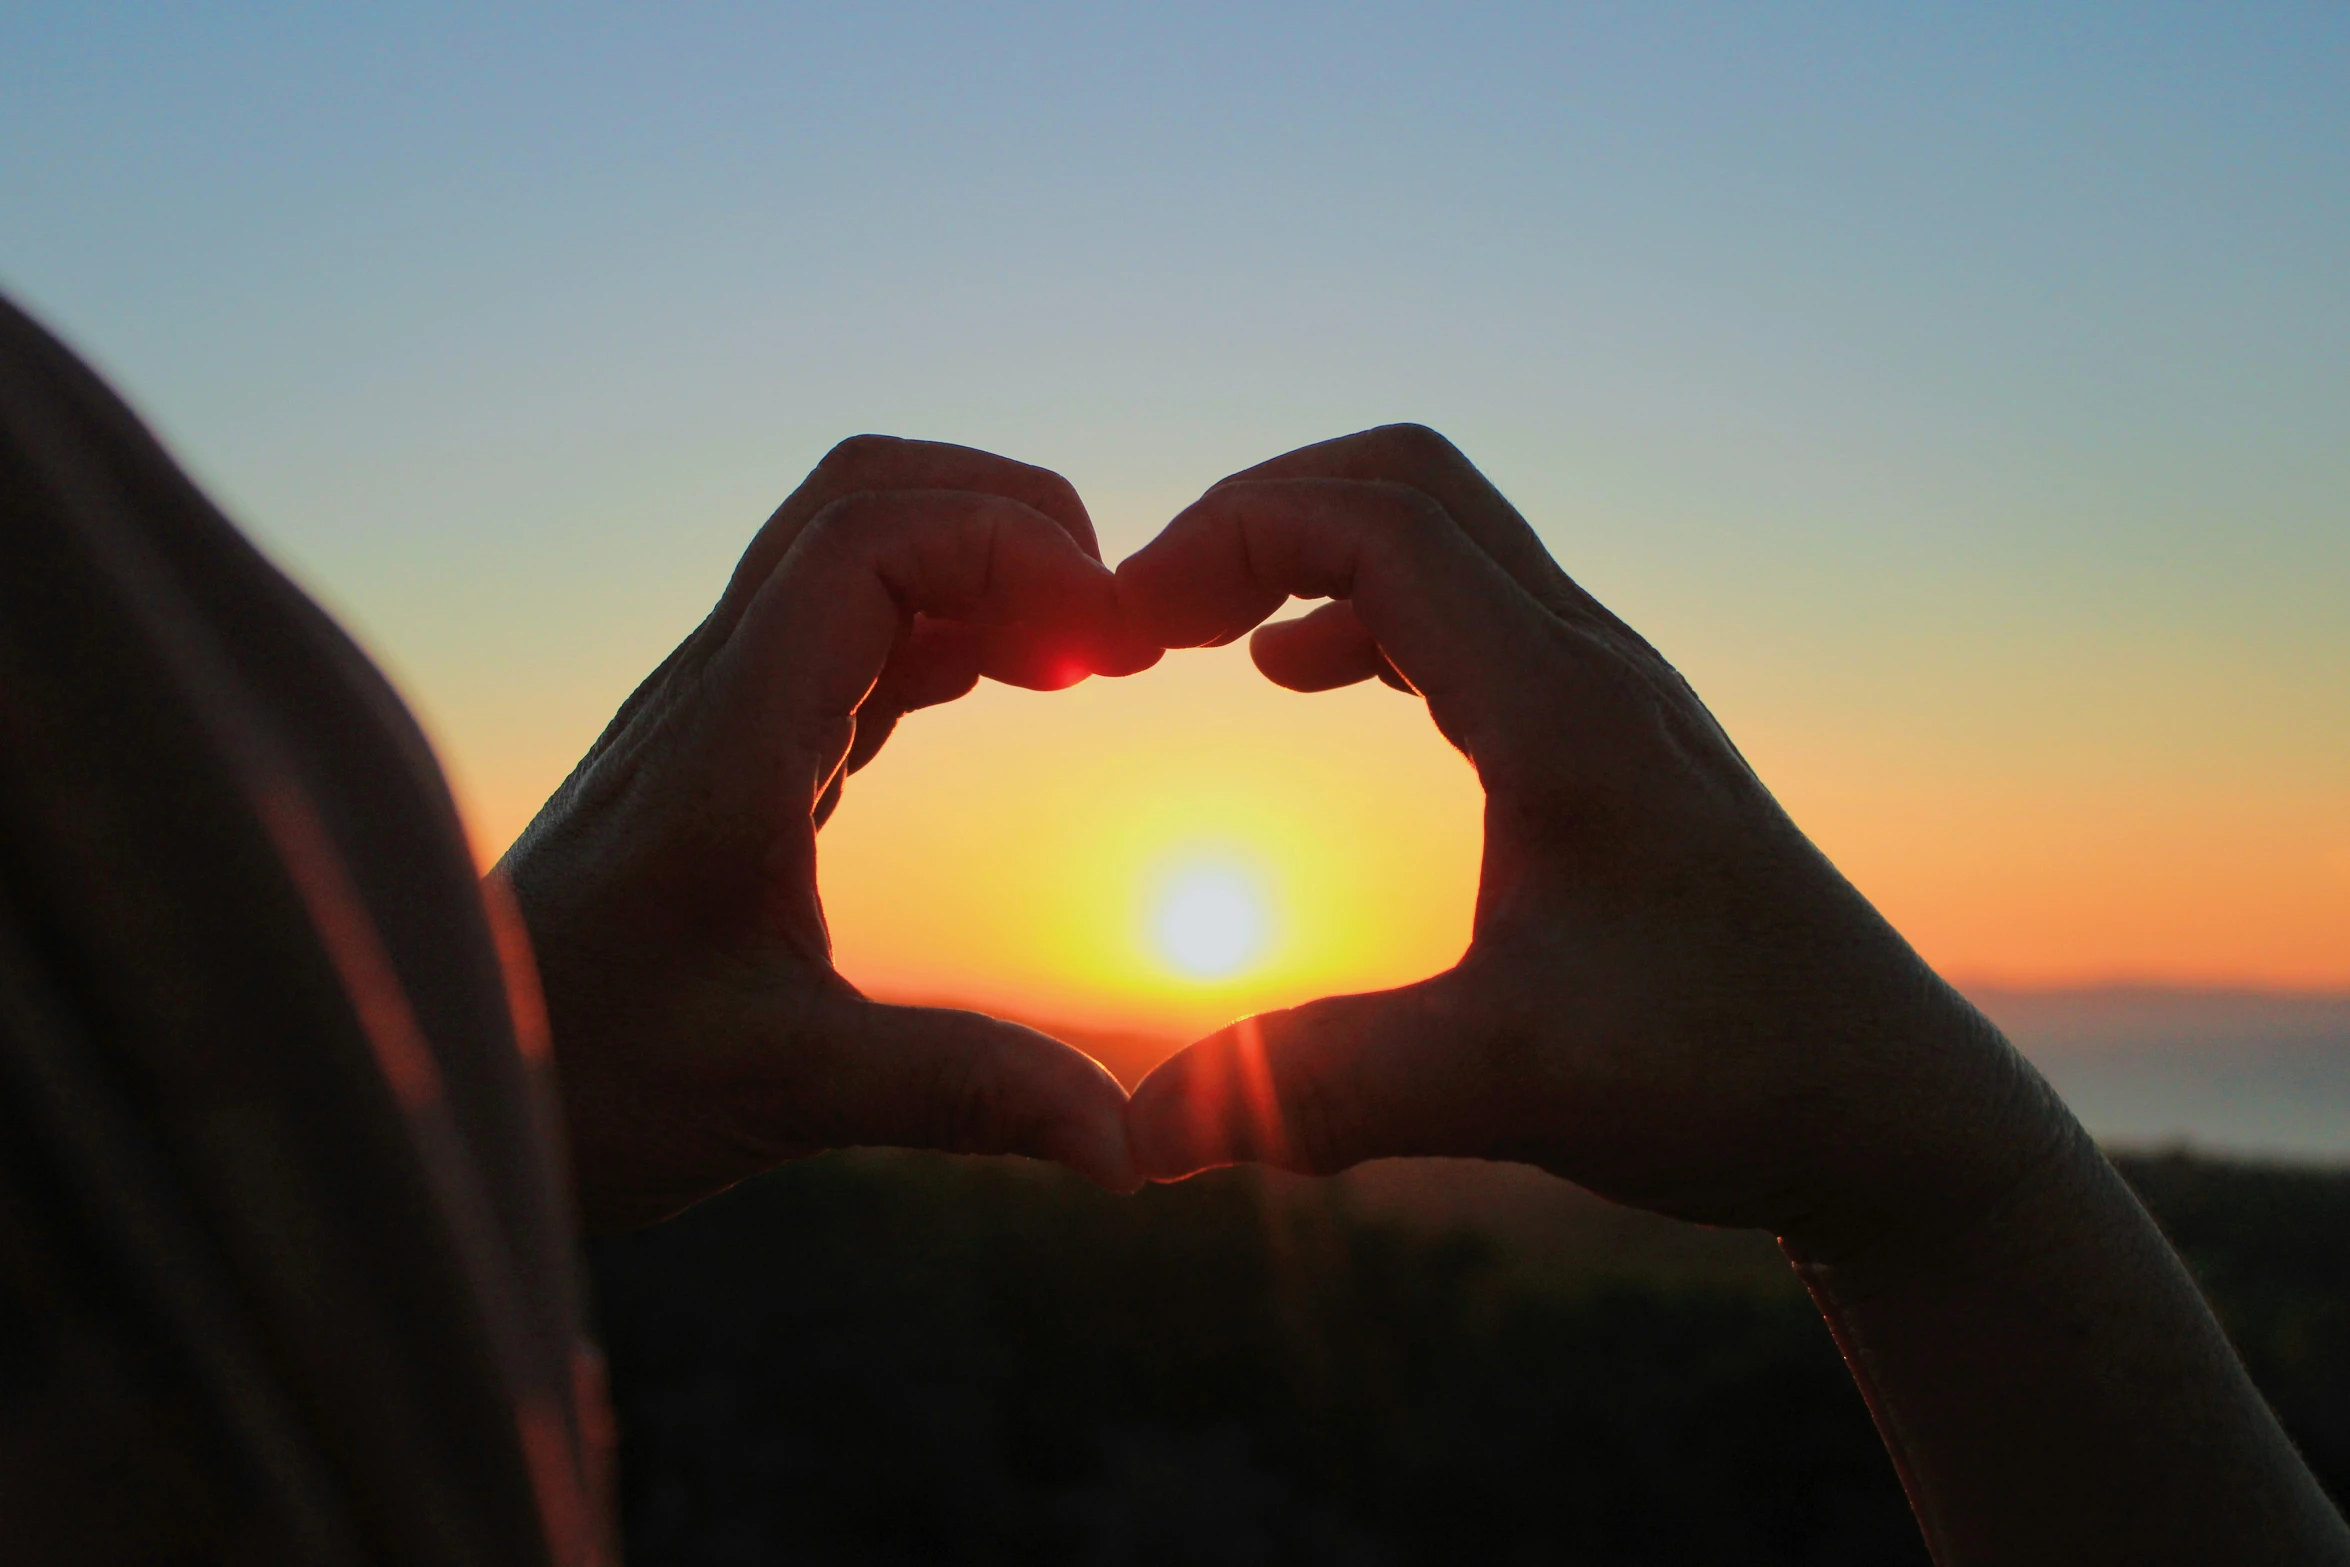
{"points": [[1971, 381]]}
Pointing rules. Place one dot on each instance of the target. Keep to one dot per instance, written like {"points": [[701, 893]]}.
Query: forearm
{"points": [[1673, 998], [2053, 1389]]}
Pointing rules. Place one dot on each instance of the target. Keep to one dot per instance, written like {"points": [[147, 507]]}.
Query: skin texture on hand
{"points": [[1673, 999], [701, 1032], [1669, 996]]}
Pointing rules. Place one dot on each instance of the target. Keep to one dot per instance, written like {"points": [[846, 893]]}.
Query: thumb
{"points": [[1321, 650], [1320, 1087], [962, 1082], [1428, 602]]}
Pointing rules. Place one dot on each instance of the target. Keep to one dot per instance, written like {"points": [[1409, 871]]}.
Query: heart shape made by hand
{"points": [[1668, 994], [1128, 864]]}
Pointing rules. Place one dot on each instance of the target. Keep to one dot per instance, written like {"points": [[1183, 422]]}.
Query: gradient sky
{"points": [[1960, 396]]}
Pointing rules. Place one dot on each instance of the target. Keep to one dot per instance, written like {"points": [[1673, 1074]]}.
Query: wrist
{"points": [[1971, 1134], [1945, 1239]]}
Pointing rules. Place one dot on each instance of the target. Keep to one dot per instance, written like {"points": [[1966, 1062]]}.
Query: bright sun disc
{"points": [[1211, 922]]}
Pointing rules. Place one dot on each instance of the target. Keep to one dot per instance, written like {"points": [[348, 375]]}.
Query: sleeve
{"points": [[284, 1246]]}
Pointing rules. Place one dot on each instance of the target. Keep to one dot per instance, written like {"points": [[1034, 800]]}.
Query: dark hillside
{"points": [[2271, 1245], [885, 1358]]}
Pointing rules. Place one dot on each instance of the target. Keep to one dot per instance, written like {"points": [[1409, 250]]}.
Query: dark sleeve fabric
{"points": [[286, 1271]]}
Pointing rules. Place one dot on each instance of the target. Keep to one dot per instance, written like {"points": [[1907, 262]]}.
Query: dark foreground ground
{"points": [[884, 1358]]}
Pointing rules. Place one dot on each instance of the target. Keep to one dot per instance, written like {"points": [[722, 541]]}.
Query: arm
{"points": [[2052, 1388], [700, 1031], [1671, 997]]}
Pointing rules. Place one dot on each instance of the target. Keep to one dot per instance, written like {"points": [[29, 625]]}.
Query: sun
{"points": [[1210, 921], [1159, 855]]}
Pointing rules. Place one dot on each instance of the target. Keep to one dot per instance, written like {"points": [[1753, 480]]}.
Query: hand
{"points": [[1670, 996], [701, 1032]]}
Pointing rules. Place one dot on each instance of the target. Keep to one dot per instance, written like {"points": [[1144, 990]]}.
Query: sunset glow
{"points": [[1970, 440], [1209, 919], [1166, 852]]}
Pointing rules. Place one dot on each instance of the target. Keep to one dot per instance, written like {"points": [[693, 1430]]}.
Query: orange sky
{"points": [[1011, 850], [1959, 405], [1016, 850]]}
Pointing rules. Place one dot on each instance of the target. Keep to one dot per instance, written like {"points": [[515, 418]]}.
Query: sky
{"points": [[1960, 397]]}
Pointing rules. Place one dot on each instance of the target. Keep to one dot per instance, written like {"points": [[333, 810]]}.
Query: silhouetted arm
{"points": [[2052, 1388], [1672, 998], [700, 1030]]}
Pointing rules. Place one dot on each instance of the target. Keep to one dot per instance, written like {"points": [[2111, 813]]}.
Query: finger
{"points": [[1125, 651], [1454, 625], [934, 661], [815, 640], [881, 462], [1321, 651], [1319, 1088], [1034, 658], [1415, 455], [924, 1077], [942, 662], [829, 801], [937, 661], [813, 643]]}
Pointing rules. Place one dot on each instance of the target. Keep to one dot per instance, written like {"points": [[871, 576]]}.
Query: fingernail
{"points": [[1126, 653]]}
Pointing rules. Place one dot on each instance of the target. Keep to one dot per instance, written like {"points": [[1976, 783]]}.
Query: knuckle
{"points": [[853, 534], [844, 519], [1417, 449], [1055, 495], [859, 454], [1413, 520]]}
